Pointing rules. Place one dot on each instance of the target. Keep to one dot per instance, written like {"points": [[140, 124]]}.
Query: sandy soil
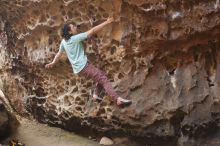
{"points": [[35, 134]]}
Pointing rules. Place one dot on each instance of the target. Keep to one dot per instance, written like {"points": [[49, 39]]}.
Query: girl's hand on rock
{"points": [[49, 65], [110, 19]]}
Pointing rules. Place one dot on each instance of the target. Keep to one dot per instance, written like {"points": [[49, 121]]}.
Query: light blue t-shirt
{"points": [[75, 51]]}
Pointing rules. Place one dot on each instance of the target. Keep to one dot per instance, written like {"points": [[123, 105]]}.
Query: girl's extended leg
{"points": [[100, 77]]}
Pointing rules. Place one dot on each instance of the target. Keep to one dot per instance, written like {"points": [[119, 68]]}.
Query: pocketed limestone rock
{"points": [[163, 55]]}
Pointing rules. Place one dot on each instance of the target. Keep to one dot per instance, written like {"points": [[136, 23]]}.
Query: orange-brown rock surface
{"points": [[163, 54]]}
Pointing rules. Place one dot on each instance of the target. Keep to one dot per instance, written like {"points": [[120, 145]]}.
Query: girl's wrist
{"points": [[107, 22]]}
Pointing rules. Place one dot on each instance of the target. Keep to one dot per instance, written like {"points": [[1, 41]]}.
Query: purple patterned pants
{"points": [[100, 77]]}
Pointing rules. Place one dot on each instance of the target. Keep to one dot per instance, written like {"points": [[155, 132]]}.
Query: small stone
{"points": [[106, 141]]}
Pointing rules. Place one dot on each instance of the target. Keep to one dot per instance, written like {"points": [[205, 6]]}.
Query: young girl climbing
{"points": [[72, 45]]}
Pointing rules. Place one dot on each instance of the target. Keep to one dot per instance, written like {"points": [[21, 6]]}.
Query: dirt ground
{"points": [[32, 133]]}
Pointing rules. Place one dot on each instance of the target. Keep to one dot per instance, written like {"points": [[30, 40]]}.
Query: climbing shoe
{"points": [[121, 102]]}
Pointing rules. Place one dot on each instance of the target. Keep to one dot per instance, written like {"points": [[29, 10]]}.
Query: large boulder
{"points": [[8, 122], [164, 55]]}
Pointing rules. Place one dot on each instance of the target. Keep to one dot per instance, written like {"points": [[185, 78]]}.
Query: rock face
{"points": [[162, 54], [8, 122]]}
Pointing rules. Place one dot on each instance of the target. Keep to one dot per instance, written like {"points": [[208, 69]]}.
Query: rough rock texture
{"points": [[8, 122], [162, 54]]}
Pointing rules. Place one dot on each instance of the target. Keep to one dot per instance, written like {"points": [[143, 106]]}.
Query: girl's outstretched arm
{"points": [[99, 27]]}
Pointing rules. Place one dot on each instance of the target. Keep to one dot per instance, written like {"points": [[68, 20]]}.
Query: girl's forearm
{"points": [[56, 58], [99, 27]]}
